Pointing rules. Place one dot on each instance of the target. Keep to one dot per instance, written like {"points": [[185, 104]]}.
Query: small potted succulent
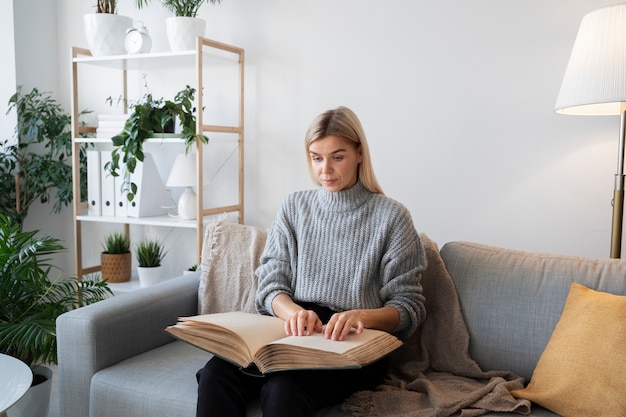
{"points": [[116, 259], [149, 253]]}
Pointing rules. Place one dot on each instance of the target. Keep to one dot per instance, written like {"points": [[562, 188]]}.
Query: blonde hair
{"points": [[344, 123]]}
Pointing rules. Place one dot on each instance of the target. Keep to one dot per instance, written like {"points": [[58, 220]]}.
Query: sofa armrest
{"points": [[97, 336]]}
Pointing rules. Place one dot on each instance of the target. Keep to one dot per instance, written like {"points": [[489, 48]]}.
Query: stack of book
{"points": [[110, 125]]}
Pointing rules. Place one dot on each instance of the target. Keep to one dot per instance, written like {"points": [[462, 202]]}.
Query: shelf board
{"points": [[140, 61], [171, 140], [163, 220], [163, 60]]}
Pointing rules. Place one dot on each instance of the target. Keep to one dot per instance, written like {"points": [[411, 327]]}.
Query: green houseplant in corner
{"points": [[32, 299], [149, 253], [36, 164], [185, 26], [149, 118], [116, 260]]}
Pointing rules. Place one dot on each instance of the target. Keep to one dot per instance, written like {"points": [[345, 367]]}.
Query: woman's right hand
{"points": [[298, 321], [303, 323]]}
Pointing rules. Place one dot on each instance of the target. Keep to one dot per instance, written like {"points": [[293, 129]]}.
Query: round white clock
{"points": [[137, 39]]}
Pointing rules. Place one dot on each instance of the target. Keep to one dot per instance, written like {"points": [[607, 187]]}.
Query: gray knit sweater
{"points": [[351, 249]]}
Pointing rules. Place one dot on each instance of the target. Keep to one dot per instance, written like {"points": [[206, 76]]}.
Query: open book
{"points": [[254, 340]]}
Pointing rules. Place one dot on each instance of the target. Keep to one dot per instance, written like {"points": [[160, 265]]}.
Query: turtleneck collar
{"points": [[344, 200]]}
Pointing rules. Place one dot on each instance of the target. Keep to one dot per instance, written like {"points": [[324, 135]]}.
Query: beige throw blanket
{"points": [[433, 375]]}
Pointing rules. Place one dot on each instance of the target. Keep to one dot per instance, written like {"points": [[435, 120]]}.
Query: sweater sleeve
{"points": [[401, 270], [275, 271]]}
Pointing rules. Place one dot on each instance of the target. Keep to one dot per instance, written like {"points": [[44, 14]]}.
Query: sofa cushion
{"points": [[581, 372], [160, 382], [231, 252], [511, 300]]}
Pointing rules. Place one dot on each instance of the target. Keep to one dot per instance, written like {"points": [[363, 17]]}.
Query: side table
{"points": [[15, 379]]}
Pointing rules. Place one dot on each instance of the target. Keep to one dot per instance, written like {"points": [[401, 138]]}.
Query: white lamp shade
{"points": [[183, 173], [595, 80]]}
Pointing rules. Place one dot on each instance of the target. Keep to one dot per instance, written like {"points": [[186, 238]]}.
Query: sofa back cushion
{"points": [[231, 252], [511, 300]]}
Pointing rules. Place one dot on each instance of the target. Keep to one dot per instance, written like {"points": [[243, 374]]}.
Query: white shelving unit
{"points": [[208, 52]]}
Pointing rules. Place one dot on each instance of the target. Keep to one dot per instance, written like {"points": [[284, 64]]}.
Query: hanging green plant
{"points": [[149, 118]]}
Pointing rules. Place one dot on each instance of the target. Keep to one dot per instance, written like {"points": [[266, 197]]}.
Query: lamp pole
{"points": [[618, 192]]}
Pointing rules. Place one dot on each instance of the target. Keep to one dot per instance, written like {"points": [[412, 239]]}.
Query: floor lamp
{"points": [[595, 84]]}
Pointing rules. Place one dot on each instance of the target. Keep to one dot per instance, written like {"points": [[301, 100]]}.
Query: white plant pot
{"points": [[105, 33], [36, 401], [183, 31], [149, 275]]}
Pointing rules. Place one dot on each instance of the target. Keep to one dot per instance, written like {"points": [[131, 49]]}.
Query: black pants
{"points": [[224, 390]]}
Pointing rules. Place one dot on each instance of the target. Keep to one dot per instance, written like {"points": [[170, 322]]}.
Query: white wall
{"points": [[7, 70], [456, 97]]}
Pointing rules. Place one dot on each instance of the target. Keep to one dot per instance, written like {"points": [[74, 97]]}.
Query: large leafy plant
{"points": [[37, 163], [149, 118], [32, 298], [187, 8]]}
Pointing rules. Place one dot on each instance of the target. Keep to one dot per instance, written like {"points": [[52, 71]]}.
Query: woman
{"points": [[337, 258]]}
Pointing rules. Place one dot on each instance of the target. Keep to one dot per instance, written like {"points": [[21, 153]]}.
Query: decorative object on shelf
{"points": [[37, 163], [105, 30], [116, 260], [593, 84], [149, 253], [137, 40], [184, 28], [182, 32], [32, 299], [148, 118], [193, 268], [183, 174]]}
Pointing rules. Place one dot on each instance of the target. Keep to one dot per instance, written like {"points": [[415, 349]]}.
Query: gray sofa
{"points": [[116, 360]]}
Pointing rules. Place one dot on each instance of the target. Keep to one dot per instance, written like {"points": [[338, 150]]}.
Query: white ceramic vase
{"points": [[149, 275], [183, 31], [105, 33], [36, 401]]}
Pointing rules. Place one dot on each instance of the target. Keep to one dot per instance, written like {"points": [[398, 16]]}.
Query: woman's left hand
{"points": [[341, 324]]}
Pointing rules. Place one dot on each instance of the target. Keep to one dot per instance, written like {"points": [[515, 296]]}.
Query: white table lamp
{"points": [[183, 174], [595, 84]]}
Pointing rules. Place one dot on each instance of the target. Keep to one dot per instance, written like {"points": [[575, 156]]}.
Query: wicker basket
{"points": [[116, 267]]}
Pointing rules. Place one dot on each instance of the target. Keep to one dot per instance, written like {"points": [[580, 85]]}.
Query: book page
{"points": [[318, 341], [256, 330]]}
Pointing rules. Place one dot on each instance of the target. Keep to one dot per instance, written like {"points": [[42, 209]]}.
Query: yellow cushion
{"points": [[582, 371]]}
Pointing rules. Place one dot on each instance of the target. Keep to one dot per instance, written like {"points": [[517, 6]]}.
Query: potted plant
{"points": [[149, 253], [105, 30], [32, 299], [116, 260], [36, 164], [149, 118], [185, 26], [193, 268]]}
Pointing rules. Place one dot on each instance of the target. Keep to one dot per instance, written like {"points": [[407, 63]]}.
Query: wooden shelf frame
{"points": [[125, 63]]}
